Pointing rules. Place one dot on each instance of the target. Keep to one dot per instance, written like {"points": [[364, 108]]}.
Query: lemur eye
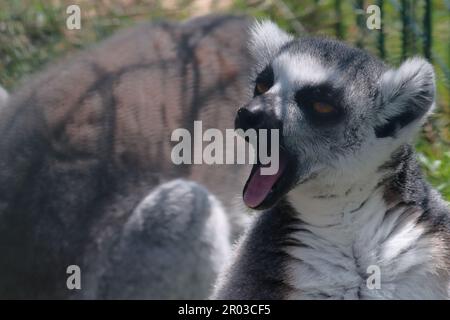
{"points": [[323, 108], [321, 104], [264, 81], [261, 88]]}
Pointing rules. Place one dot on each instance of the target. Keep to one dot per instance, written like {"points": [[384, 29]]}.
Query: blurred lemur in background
{"points": [[3, 97], [350, 215], [86, 176]]}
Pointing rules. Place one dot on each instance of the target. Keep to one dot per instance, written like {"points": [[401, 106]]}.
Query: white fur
{"points": [[266, 39], [295, 70], [342, 239]]}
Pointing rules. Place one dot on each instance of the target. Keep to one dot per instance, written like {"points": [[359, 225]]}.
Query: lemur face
{"points": [[340, 111]]}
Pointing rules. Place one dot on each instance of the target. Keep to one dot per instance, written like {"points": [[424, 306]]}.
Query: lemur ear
{"points": [[405, 97], [266, 39]]}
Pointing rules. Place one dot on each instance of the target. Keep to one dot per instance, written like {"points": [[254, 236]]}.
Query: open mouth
{"points": [[264, 191]]}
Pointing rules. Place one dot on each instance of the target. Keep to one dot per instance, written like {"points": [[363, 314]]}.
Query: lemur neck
{"points": [[325, 204], [347, 200]]}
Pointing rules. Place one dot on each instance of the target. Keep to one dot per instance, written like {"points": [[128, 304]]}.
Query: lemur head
{"points": [[341, 112]]}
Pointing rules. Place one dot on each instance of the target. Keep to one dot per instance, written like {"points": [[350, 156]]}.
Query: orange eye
{"points": [[261, 88], [323, 108]]}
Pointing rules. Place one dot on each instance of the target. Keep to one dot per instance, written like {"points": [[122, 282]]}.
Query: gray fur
{"points": [[259, 261]]}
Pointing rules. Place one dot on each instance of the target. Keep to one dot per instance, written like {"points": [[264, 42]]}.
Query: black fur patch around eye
{"points": [[265, 77], [326, 93], [394, 124]]}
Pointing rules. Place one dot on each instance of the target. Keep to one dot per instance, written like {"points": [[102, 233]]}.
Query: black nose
{"points": [[256, 119], [246, 119]]}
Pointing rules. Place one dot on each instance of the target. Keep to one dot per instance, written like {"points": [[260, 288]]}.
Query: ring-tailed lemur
{"points": [[86, 176], [350, 201]]}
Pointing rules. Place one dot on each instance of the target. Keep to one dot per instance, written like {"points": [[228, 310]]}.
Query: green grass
{"points": [[32, 33], [435, 161]]}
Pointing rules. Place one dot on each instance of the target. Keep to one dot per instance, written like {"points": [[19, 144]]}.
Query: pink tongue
{"points": [[259, 186]]}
